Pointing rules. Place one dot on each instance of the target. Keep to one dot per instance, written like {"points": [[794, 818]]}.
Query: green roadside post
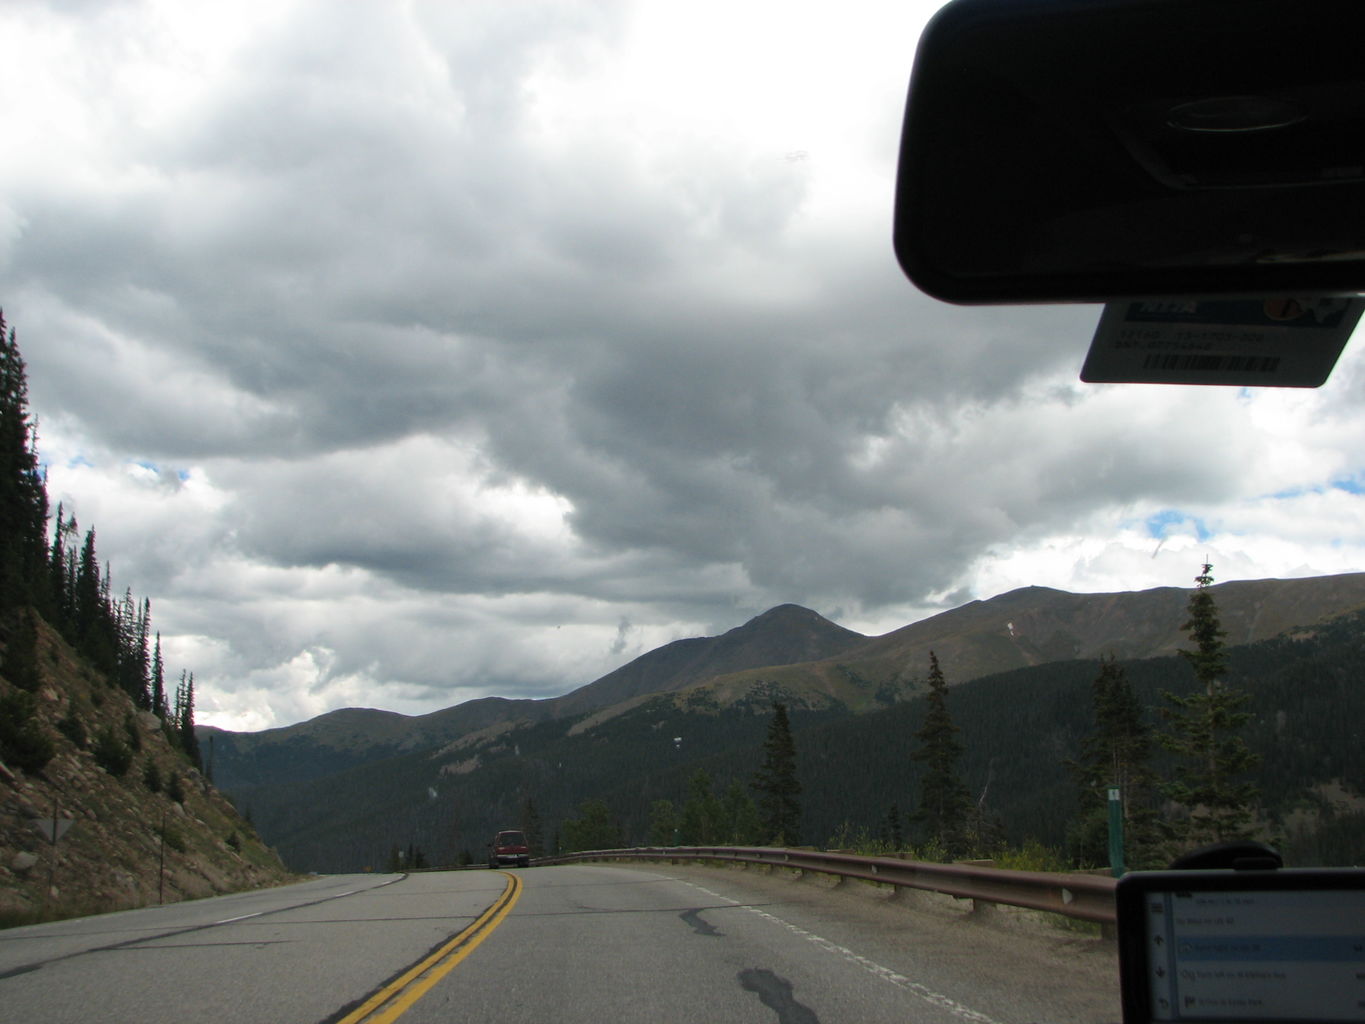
{"points": [[1115, 832]]}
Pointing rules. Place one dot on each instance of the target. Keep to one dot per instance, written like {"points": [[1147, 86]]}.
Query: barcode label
{"points": [[1167, 361]]}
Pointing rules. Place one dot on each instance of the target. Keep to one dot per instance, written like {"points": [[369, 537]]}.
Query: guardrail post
{"points": [[984, 908]]}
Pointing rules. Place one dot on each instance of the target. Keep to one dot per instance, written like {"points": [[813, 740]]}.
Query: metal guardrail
{"points": [[1085, 897]]}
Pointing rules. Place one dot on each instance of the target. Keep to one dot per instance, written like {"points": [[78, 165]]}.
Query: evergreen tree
{"points": [[159, 683], [58, 573], [739, 817], [142, 661], [891, 834], [23, 491], [701, 823], [531, 828], [95, 627], [19, 664], [1204, 734], [24, 744], [594, 829], [131, 624], [184, 719], [779, 807], [663, 824], [943, 797], [1117, 753]]}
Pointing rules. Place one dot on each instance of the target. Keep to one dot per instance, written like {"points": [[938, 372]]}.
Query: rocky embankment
{"points": [[138, 823]]}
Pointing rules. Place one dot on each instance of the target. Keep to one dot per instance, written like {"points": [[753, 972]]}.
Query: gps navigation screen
{"points": [[1258, 955]]}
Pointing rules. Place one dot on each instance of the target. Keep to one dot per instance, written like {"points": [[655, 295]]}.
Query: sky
{"points": [[403, 353]]}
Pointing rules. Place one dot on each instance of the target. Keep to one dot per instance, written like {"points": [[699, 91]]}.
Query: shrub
{"points": [[72, 727], [134, 734], [23, 743], [111, 754], [1031, 856]]}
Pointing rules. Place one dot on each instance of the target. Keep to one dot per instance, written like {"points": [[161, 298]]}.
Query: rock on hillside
{"points": [[156, 832]]}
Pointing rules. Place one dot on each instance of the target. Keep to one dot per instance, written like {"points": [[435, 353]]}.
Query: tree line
{"points": [[58, 579]]}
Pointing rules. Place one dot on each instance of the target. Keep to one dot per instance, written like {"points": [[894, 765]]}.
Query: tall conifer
{"points": [[943, 797], [159, 682], [779, 806], [1204, 726], [23, 491], [1117, 754]]}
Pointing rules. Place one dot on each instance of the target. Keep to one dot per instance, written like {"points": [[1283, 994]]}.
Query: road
{"points": [[570, 943]]}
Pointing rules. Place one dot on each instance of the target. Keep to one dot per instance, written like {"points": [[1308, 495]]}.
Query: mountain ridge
{"points": [[274, 771], [1026, 626], [1035, 625]]}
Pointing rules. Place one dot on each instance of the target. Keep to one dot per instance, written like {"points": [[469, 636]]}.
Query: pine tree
{"points": [[663, 824], [943, 797], [141, 660], [19, 663], [595, 829], [1116, 754], [701, 823], [531, 827], [1212, 758], [890, 833], [59, 557], [779, 807], [159, 707], [88, 599], [739, 817], [23, 491], [184, 719]]}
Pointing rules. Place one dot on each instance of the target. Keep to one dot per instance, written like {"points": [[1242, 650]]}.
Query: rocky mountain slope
{"points": [[154, 830]]}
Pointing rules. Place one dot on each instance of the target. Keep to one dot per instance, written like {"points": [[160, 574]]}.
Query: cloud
{"points": [[407, 353]]}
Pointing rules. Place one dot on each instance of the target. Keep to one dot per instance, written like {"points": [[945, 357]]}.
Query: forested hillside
{"points": [[1018, 730]]}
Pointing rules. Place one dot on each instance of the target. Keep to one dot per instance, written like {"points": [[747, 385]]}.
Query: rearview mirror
{"points": [[1087, 150]]}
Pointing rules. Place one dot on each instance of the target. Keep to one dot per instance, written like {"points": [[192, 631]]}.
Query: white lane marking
{"points": [[229, 920], [871, 966]]}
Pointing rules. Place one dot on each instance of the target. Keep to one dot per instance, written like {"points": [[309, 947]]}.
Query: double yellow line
{"points": [[398, 996]]}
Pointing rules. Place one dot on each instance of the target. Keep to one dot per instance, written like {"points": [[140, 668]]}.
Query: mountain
{"points": [[345, 739], [784, 635], [1038, 625], [340, 791]]}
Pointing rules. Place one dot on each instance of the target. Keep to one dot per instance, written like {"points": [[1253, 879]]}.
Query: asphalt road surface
{"points": [[566, 944]]}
